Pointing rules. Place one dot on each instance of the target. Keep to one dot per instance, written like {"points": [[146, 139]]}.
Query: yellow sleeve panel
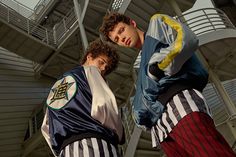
{"points": [[178, 44]]}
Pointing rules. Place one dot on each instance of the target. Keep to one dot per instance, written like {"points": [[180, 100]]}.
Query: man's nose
{"points": [[122, 39]]}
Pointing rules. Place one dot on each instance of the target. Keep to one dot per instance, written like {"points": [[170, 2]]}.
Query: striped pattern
{"points": [[196, 136], [182, 104], [90, 147]]}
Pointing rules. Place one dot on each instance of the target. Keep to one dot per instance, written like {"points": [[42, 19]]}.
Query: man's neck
{"points": [[141, 39]]}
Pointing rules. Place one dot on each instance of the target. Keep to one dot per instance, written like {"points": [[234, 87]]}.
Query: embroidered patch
{"points": [[62, 92]]}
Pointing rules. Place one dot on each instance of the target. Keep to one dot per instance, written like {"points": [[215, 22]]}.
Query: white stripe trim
{"points": [[95, 147], [164, 120], [104, 144], [179, 106], [154, 137], [67, 151], [160, 133], [199, 94], [171, 114], [76, 149], [85, 147], [162, 129], [205, 103], [190, 101], [113, 149]]}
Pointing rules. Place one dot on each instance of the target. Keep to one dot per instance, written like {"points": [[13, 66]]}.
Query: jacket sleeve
{"points": [[181, 41], [45, 130], [104, 106]]}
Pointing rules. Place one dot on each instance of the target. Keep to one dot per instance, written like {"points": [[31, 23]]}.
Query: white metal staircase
{"points": [[49, 48], [23, 36]]}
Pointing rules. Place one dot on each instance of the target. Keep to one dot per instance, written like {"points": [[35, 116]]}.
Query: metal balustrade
{"points": [[10, 16], [20, 8], [61, 28], [52, 37], [206, 20], [199, 21], [26, 11]]}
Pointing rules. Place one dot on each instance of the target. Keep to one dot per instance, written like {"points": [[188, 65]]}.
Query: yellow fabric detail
{"points": [[178, 42]]}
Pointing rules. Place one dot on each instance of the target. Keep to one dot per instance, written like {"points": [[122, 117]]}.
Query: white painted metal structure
{"points": [[55, 41]]}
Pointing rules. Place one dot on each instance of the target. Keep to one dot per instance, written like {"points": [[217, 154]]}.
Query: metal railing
{"points": [[200, 21], [52, 37], [10, 16], [26, 11], [20, 8], [66, 24], [206, 20]]}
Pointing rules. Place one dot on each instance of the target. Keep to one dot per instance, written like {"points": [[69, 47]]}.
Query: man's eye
{"points": [[116, 40], [121, 30]]}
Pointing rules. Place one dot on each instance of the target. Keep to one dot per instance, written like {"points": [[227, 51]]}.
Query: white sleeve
{"points": [[104, 106], [45, 131]]}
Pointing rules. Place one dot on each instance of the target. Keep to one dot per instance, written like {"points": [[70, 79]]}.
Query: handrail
{"points": [[20, 8], [200, 21], [52, 37], [28, 26], [26, 11], [206, 20], [61, 28]]}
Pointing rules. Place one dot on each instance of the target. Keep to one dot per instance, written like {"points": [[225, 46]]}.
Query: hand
{"points": [[155, 71]]}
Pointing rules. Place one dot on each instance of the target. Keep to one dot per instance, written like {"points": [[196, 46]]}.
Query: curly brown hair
{"points": [[98, 48], [109, 22]]}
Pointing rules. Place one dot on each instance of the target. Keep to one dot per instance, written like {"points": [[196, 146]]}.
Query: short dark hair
{"points": [[98, 48], [109, 22]]}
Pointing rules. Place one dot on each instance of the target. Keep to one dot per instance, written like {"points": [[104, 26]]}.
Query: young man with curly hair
{"points": [[82, 116], [168, 98]]}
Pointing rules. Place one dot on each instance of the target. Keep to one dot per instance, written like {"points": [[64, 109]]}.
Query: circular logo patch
{"points": [[62, 92]]}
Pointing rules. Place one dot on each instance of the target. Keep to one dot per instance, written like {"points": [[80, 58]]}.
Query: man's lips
{"points": [[128, 41]]}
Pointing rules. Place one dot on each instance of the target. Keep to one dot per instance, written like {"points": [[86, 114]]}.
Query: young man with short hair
{"points": [[82, 115], [168, 98]]}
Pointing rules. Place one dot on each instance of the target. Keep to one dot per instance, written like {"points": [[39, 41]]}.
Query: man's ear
{"points": [[132, 22], [89, 56]]}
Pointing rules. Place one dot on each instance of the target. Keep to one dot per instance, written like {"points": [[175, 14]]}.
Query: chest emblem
{"points": [[61, 92]]}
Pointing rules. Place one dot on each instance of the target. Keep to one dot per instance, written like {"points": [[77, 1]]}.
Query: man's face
{"points": [[125, 35], [100, 62]]}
